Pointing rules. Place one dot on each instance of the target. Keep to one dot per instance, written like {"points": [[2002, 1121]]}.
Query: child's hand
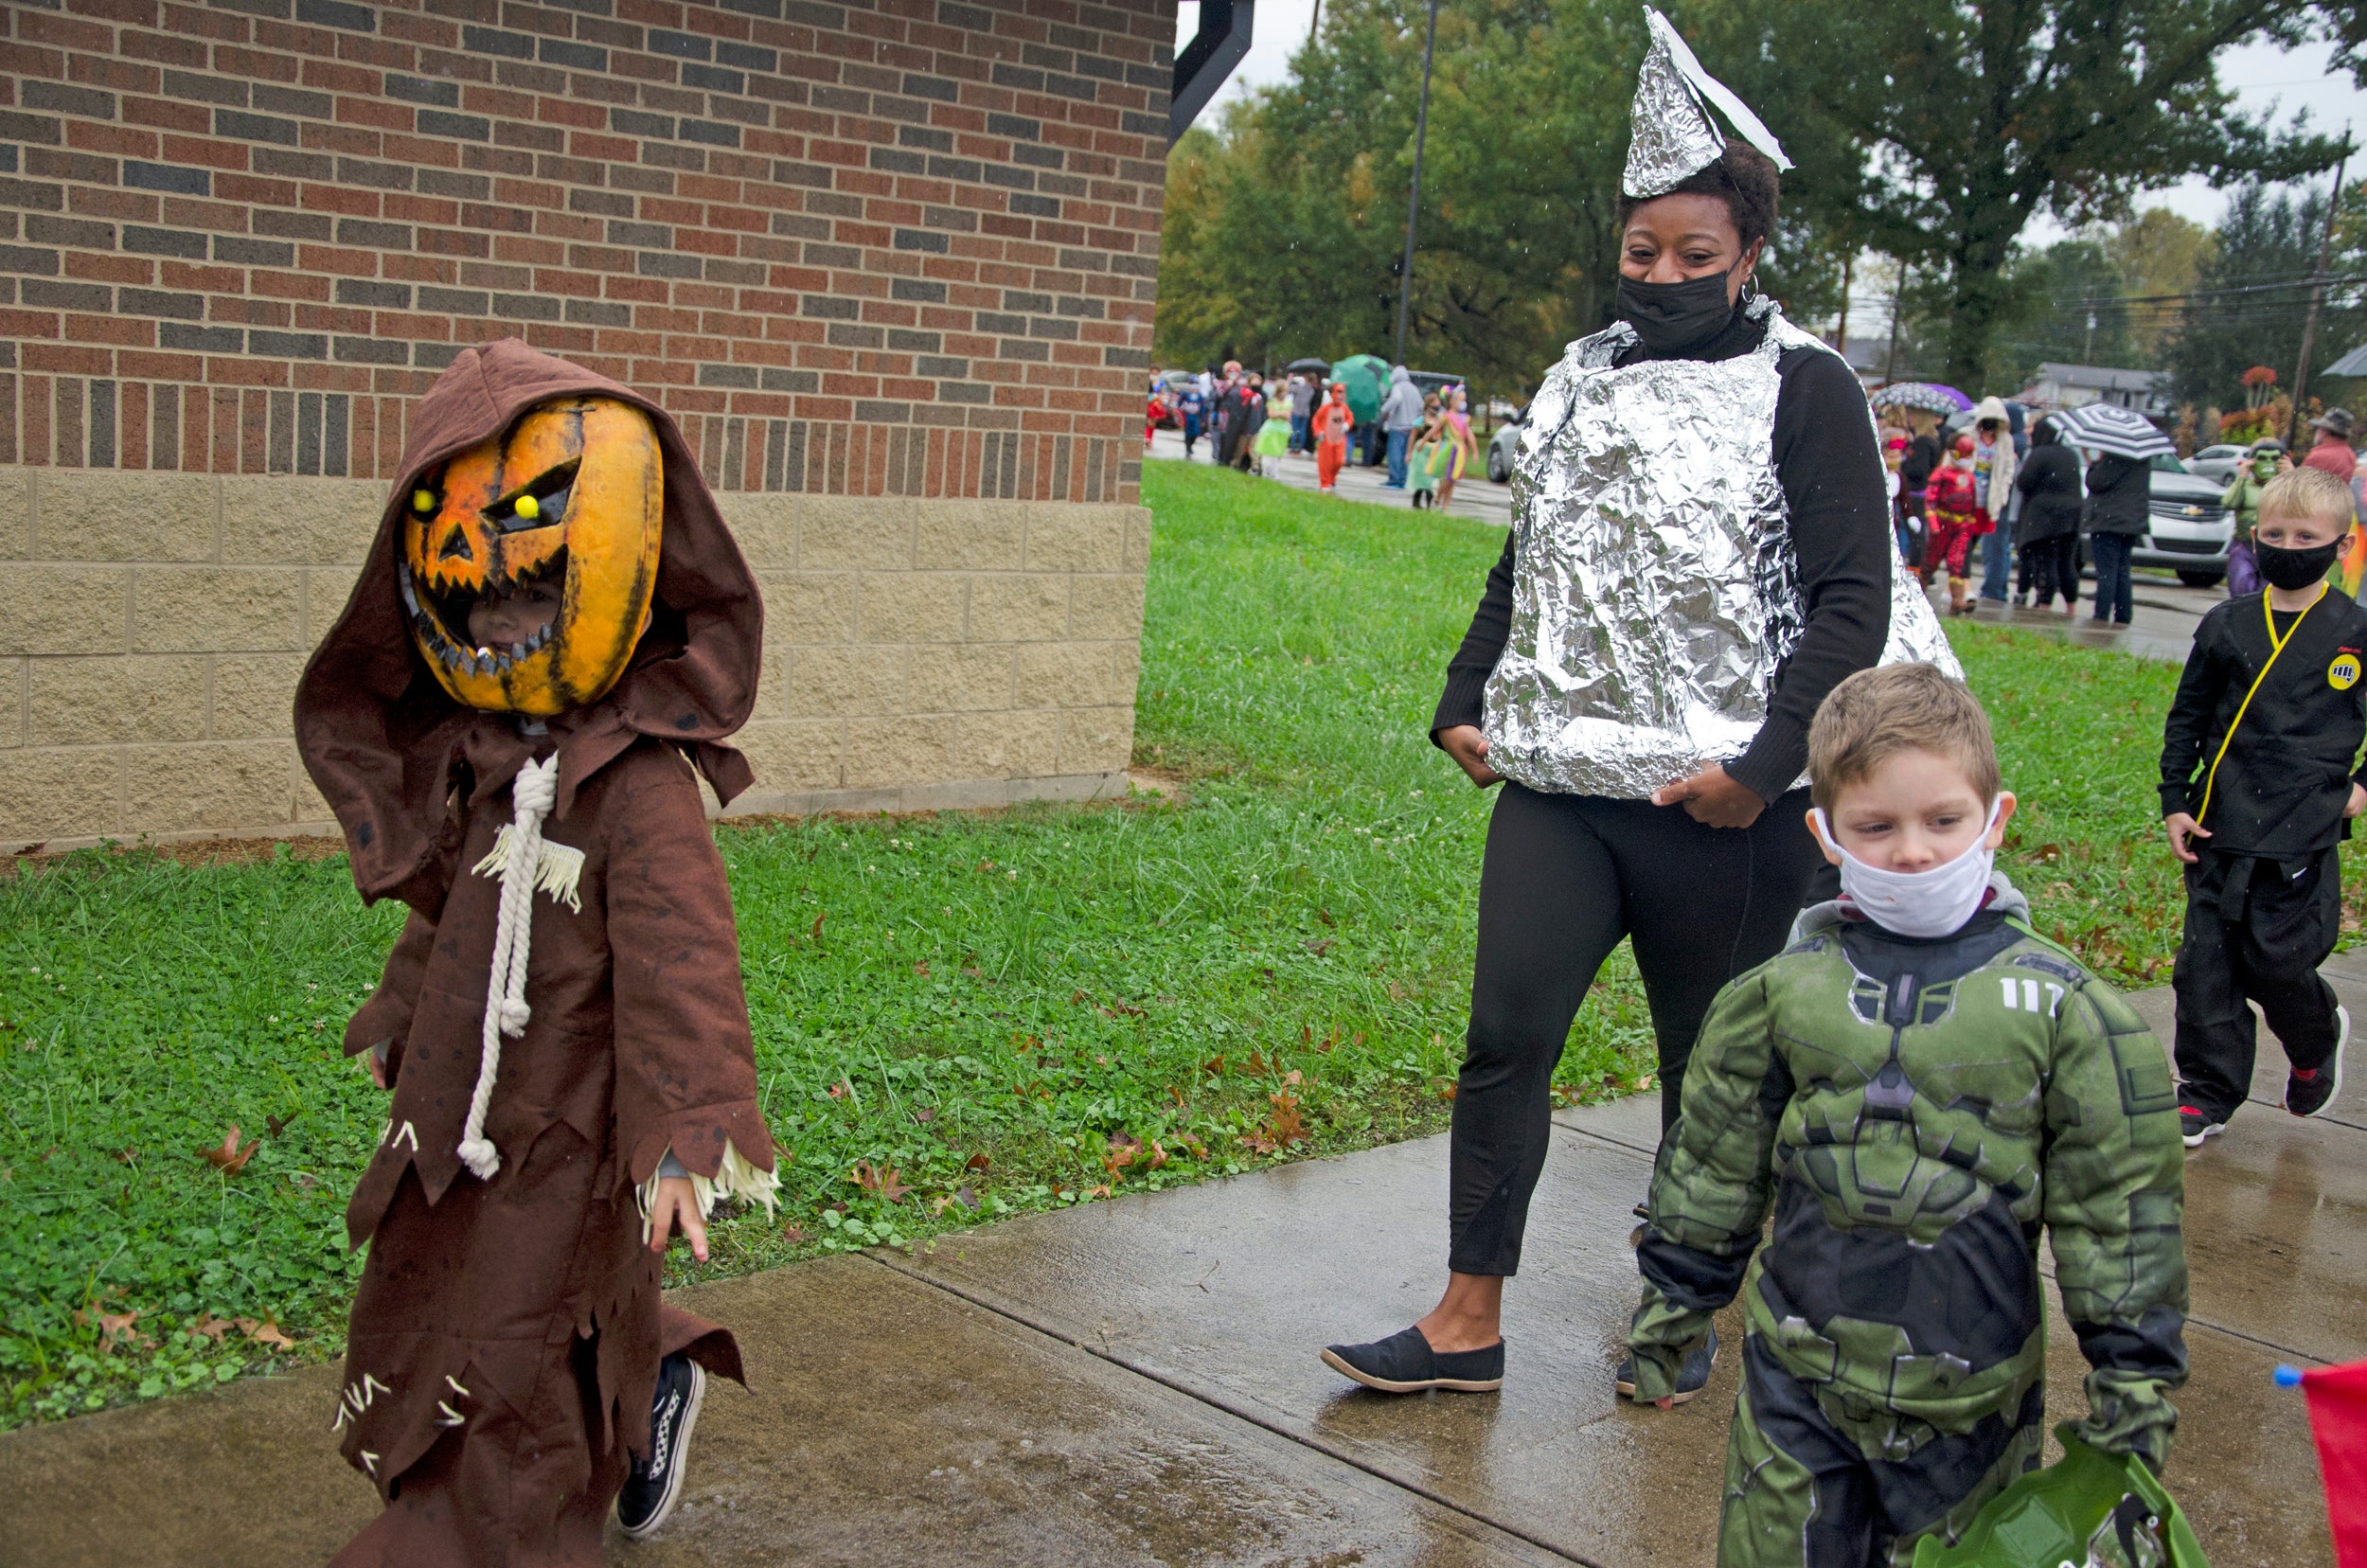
{"points": [[2357, 802], [676, 1203], [376, 1063], [2184, 828]]}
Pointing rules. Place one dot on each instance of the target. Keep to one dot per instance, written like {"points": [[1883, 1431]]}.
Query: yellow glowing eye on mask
{"points": [[587, 485]]}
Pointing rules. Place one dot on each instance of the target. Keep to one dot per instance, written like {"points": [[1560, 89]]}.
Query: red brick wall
{"points": [[904, 247]]}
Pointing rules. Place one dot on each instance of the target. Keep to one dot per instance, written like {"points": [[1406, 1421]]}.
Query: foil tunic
{"points": [[1654, 589]]}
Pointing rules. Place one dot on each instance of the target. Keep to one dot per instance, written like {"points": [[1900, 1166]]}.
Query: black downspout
{"points": [[1203, 64]]}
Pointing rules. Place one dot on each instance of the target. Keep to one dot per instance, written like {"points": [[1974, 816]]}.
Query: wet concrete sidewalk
{"points": [[1136, 1382]]}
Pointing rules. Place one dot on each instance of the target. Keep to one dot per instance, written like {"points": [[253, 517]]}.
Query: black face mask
{"points": [[2291, 569], [1670, 318]]}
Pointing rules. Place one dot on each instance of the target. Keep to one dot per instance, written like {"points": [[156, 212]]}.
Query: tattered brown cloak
{"points": [[505, 1340]]}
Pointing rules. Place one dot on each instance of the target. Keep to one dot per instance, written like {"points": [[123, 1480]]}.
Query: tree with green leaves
{"points": [[1285, 233], [2251, 293], [1936, 133]]}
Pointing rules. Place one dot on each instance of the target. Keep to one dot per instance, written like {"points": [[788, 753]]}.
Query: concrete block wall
{"points": [[856, 247], [919, 654]]}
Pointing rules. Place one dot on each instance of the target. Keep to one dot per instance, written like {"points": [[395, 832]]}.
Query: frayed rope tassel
{"points": [[532, 793]]}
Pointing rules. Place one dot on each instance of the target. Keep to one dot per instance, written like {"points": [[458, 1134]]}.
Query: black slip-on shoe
{"points": [[1405, 1364], [1692, 1377], [2193, 1126], [2312, 1096], [655, 1485]]}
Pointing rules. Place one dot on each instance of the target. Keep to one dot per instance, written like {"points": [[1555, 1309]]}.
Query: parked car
{"points": [[2218, 462], [1505, 445], [2188, 530]]}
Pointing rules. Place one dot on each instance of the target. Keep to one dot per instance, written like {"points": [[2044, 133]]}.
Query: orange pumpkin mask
{"points": [[572, 496]]}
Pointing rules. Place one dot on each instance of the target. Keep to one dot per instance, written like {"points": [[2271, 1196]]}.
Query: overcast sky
{"points": [[2263, 77]]}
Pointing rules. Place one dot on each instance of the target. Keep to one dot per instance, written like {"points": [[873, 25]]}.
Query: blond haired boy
{"points": [[1915, 1086], [2260, 780]]}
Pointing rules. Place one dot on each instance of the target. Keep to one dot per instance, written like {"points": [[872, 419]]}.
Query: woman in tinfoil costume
{"points": [[1701, 551]]}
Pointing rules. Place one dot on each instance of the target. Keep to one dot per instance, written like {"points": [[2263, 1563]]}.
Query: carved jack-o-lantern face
{"points": [[569, 499]]}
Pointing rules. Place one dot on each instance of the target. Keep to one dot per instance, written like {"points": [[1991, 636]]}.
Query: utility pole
{"points": [[1898, 302], [1840, 328], [2309, 321], [1314, 21], [1413, 198]]}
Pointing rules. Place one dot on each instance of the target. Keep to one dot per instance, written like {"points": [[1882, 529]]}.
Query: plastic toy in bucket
{"points": [[2088, 1509]]}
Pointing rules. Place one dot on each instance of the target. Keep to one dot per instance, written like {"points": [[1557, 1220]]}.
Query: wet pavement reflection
{"points": [[1135, 1381]]}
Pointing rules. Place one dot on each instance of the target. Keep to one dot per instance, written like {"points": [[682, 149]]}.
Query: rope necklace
{"points": [[532, 794]]}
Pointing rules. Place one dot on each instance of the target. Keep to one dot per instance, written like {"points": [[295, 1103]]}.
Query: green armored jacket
{"points": [[1914, 1110]]}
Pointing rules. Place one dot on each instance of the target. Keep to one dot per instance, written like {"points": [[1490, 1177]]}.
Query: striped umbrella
{"points": [[2108, 427], [1925, 395]]}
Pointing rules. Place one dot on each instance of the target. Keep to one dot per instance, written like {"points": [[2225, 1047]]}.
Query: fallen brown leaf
{"points": [[794, 1235], [841, 1090], [279, 1124], [1158, 1154], [977, 1162], [1324, 915], [926, 1113], [231, 1159], [211, 1327], [888, 1184], [921, 970], [265, 1332], [1318, 948], [1214, 1066], [816, 932]]}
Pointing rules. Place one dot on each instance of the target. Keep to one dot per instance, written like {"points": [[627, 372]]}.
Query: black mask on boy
{"points": [[2291, 569], [1670, 318]]}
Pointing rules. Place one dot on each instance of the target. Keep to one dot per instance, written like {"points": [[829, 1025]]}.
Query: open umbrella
{"points": [[2108, 427], [1366, 377], [1925, 395], [1307, 366]]}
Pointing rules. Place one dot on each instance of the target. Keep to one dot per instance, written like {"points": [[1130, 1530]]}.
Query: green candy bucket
{"points": [[2088, 1509]]}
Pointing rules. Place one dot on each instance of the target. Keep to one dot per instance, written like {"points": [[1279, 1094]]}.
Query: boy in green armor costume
{"points": [[1915, 1085]]}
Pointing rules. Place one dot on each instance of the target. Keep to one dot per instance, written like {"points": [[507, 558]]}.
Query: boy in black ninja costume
{"points": [[2259, 782]]}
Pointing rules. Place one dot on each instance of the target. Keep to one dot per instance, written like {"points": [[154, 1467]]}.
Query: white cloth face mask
{"points": [[1918, 903]]}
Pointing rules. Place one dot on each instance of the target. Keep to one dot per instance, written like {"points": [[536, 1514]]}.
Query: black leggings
{"points": [[1564, 879]]}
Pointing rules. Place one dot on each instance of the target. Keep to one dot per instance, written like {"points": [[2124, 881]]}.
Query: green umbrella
{"points": [[1366, 377], [2089, 1507]]}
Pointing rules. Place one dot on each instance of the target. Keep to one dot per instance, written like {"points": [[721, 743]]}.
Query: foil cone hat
{"points": [[1676, 136]]}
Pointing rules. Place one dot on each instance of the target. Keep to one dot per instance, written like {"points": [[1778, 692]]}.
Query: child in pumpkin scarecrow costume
{"points": [[552, 630]]}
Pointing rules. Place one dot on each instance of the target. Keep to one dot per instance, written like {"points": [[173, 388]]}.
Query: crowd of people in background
{"points": [[2007, 493], [2011, 486], [1253, 424]]}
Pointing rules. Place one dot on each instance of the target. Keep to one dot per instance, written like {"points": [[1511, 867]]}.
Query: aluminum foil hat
{"points": [[1675, 134]]}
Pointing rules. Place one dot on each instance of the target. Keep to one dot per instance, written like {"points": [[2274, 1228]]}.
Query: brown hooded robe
{"points": [[505, 1344]]}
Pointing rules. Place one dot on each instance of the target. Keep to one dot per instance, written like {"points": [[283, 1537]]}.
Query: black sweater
{"points": [[2118, 490], [1831, 470], [2286, 773], [2049, 483]]}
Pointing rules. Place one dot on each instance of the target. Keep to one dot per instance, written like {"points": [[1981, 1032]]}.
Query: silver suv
{"points": [[2187, 530]]}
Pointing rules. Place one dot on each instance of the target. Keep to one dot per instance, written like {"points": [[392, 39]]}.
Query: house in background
{"points": [[2058, 385]]}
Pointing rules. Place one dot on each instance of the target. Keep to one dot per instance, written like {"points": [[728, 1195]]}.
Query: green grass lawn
{"points": [[1007, 1012]]}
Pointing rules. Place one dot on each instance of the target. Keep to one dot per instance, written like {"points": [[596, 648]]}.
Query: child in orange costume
{"points": [[1330, 427]]}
